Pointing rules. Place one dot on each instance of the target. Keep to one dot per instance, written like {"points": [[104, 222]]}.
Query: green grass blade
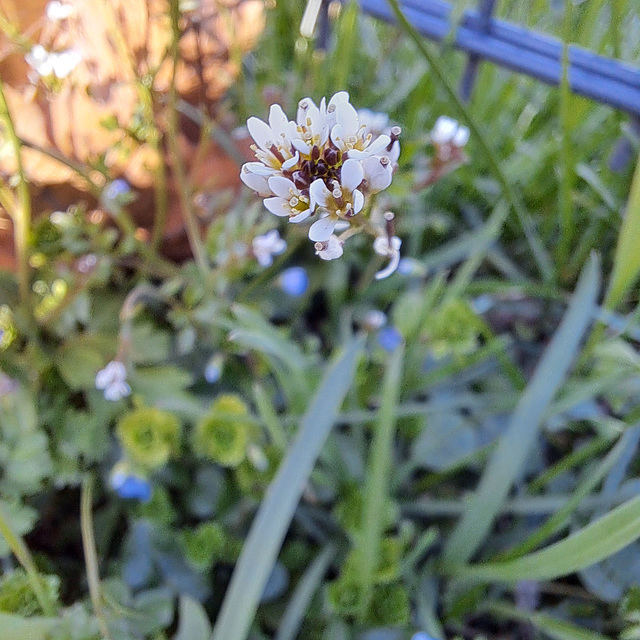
{"points": [[276, 510], [556, 629], [507, 460], [308, 585], [538, 250], [565, 204], [194, 623], [377, 487], [626, 264], [593, 543], [560, 518]]}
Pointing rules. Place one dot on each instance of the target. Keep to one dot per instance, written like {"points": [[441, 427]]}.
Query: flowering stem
{"points": [[377, 488], [21, 214], [538, 250], [190, 219]]}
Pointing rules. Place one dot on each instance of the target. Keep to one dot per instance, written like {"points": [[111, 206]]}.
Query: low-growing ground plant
{"points": [[393, 393]]}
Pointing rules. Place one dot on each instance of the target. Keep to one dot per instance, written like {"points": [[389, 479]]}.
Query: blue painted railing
{"points": [[602, 79]]}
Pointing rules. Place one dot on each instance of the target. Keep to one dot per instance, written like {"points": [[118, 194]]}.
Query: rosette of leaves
{"points": [[17, 595], [225, 432], [452, 329], [149, 436], [204, 544]]}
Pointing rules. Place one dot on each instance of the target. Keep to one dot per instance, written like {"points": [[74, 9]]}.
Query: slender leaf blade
{"points": [[276, 510], [508, 458], [593, 543]]}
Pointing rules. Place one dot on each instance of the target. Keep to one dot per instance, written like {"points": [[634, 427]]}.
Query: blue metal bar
{"points": [[608, 81], [485, 11]]}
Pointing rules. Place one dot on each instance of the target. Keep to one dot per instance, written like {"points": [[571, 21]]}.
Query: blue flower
{"points": [[213, 370], [421, 635], [130, 487], [116, 189], [389, 338], [294, 281]]}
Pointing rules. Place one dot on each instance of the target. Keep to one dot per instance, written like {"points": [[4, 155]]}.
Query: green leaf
{"points": [[78, 362], [13, 627], [276, 510], [507, 461], [194, 623], [626, 264], [597, 541], [149, 345], [556, 629]]}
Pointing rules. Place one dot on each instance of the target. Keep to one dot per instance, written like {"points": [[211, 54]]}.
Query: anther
{"points": [[384, 161]]}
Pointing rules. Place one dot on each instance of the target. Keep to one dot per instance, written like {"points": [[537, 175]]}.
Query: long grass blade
{"points": [[626, 264], [377, 488], [507, 460], [276, 511], [593, 543]]}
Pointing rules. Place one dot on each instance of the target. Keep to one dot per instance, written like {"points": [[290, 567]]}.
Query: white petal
{"points": [[301, 146], [321, 230], [103, 378], [352, 174], [282, 187], [333, 250], [291, 162], [358, 201], [394, 154], [256, 182], [261, 132], [390, 268], [347, 116], [258, 168], [303, 108], [278, 206], [381, 245], [303, 215], [443, 130], [319, 194], [277, 120], [341, 96], [337, 137], [378, 145], [461, 137], [377, 175]]}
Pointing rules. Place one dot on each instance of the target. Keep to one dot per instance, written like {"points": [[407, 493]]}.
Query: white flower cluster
{"points": [[48, 63], [113, 381], [326, 164]]}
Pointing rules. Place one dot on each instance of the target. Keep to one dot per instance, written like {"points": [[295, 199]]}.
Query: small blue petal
{"points": [[133, 488], [116, 189], [212, 373], [421, 635], [389, 338], [294, 281], [406, 266]]}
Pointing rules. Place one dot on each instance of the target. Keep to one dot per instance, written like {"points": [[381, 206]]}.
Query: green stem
{"points": [[566, 164], [377, 488], [540, 254], [21, 215], [91, 555], [190, 219], [21, 552]]}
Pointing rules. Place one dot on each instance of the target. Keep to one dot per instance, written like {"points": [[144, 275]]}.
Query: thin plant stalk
{"points": [[377, 489], [21, 215], [538, 250], [566, 164], [91, 555], [190, 219], [21, 552]]}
